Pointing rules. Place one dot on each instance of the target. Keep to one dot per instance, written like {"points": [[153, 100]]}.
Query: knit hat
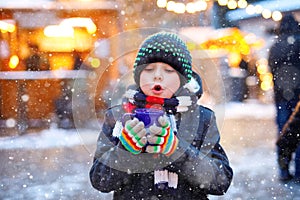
{"points": [[167, 48]]}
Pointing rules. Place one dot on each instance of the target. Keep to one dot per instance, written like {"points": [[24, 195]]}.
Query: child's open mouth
{"points": [[157, 89]]}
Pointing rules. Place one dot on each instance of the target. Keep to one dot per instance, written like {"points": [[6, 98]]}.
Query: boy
{"points": [[179, 157]]}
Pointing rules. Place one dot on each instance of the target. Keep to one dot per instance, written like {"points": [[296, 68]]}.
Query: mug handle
{"points": [[126, 117]]}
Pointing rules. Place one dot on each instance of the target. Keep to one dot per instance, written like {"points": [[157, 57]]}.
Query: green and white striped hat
{"points": [[168, 48]]}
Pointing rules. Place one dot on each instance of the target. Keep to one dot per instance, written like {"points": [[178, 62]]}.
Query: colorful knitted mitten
{"points": [[162, 139], [133, 136]]}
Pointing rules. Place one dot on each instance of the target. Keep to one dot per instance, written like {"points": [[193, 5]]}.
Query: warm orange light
{"points": [[242, 3], [262, 61], [11, 28], [234, 59], [200, 5], [266, 13], [171, 5], [13, 62], [7, 27], [222, 2], [262, 69], [276, 16], [161, 3], [262, 66], [59, 31], [179, 8], [81, 41], [190, 8], [233, 42], [258, 9], [213, 47], [267, 83], [58, 62], [80, 22], [266, 77], [245, 49], [232, 4]]}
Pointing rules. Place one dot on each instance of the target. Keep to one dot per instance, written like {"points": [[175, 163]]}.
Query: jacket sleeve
{"points": [[103, 176], [203, 162]]}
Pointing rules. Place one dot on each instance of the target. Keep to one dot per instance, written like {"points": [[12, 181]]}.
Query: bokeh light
{"points": [[161, 3], [266, 13], [276, 16], [13, 61]]}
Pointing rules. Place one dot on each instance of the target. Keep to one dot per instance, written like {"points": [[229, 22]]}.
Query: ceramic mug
{"points": [[147, 115]]}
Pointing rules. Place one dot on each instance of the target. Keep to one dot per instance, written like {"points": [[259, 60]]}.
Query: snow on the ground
{"points": [[49, 138], [248, 143], [235, 110]]}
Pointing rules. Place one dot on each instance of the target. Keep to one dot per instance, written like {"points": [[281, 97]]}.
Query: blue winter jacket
{"points": [[200, 162]]}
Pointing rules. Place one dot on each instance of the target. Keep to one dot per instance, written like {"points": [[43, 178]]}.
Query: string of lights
{"points": [[202, 5]]}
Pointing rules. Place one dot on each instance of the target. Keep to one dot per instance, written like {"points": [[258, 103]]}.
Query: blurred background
{"points": [[46, 44], [61, 61]]}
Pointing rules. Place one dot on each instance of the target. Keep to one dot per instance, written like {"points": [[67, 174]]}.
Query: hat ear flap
{"points": [[195, 85]]}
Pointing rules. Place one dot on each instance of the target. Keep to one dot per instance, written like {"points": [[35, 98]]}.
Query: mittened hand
{"points": [[133, 136], [162, 139]]}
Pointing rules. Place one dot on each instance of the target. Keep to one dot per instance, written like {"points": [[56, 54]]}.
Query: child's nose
{"points": [[158, 75]]}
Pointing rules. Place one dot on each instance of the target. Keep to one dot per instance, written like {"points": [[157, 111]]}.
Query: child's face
{"points": [[160, 80]]}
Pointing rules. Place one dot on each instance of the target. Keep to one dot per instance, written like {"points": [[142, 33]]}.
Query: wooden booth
{"points": [[43, 45]]}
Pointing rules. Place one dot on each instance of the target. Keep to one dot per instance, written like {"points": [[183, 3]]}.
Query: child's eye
{"points": [[169, 70], [148, 69]]}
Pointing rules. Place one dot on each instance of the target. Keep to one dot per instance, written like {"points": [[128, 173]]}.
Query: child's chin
{"points": [[162, 95]]}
